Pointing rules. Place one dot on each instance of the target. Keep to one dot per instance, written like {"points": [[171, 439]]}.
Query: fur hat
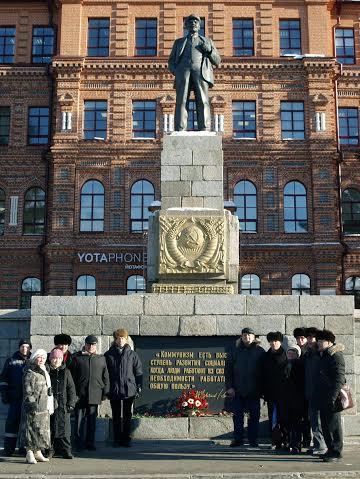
{"points": [[295, 348], [62, 339], [299, 332], [24, 341], [325, 335], [311, 331], [274, 336], [56, 353], [121, 333], [37, 353]]}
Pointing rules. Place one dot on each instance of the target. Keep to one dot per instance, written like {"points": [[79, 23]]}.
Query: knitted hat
{"points": [[37, 353], [56, 353], [311, 331], [24, 341], [62, 339], [247, 331], [299, 332], [325, 335], [295, 348], [275, 336], [121, 333]]}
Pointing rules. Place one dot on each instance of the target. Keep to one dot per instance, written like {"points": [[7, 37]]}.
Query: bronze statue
{"points": [[191, 61]]}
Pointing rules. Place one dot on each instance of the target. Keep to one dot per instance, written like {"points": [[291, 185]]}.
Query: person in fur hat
{"points": [[242, 380], [63, 342], [64, 403], [125, 373], [327, 385], [272, 370]]}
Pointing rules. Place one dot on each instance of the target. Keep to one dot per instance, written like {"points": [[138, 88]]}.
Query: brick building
{"points": [[86, 97]]}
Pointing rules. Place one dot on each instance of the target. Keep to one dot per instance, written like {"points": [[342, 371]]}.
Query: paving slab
{"points": [[185, 459]]}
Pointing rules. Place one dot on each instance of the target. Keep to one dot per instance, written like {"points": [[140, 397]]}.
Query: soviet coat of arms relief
{"points": [[191, 245]]}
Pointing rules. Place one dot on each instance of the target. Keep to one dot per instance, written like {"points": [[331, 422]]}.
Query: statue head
{"points": [[193, 23]]}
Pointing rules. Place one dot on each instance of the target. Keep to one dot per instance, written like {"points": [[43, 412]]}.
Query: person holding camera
{"points": [[125, 372], [37, 407], [64, 403], [11, 390]]}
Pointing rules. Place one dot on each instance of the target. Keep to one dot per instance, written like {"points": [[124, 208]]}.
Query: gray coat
{"points": [[243, 369], [91, 378], [35, 418]]}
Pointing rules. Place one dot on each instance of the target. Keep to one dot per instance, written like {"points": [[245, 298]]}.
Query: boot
{"points": [[30, 458], [39, 457]]}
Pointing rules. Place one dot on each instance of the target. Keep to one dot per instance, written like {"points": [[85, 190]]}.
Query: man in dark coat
{"points": [[125, 372], [242, 379], [312, 363], [191, 61], [91, 380], [327, 387], [11, 390], [272, 371], [62, 342], [64, 403]]}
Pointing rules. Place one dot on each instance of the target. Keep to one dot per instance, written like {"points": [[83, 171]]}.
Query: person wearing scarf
{"points": [[38, 405]]}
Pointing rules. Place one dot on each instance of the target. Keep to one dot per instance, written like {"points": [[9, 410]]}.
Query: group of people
{"points": [[300, 384], [43, 389]]}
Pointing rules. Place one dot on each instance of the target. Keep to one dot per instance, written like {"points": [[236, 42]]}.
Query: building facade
{"points": [[86, 98]]}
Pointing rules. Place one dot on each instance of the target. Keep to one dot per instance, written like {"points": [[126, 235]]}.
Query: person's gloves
{"points": [[5, 397], [30, 406], [138, 392]]}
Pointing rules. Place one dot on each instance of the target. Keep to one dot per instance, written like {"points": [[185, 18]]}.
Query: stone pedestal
{"points": [[193, 242]]}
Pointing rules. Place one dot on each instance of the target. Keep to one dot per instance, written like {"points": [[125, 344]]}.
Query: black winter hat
{"points": [[274, 336], [325, 335], [299, 332], [25, 341], [311, 331], [91, 339], [247, 331], [62, 339]]}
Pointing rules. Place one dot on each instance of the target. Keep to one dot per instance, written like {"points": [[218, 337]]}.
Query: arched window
{"points": [[142, 195], [86, 286], [350, 202], [300, 285], [92, 206], [34, 211], [245, 201], [352, 286], [135, 284], [29, 287], [2, 211], [295, 208], [250, 285]]}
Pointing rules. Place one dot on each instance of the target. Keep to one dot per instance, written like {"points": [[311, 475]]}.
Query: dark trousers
{"points": [[12, 427], [122, 414], [332, 431], [277, 431], [60, 445], [315, 422], [306, 428], [242, 405], [85, 424]]}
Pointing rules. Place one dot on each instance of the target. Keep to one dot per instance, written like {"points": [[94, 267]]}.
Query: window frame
{"points": [[92, 207], [300, 291], [243, 119], [144, 218], [295, 197], [246, 198], [43, 46], [42, 139], [25, 296], [251, 289], [242, 37], [138, 133], [85, 290], [352, 213], [91, 116], [5, 122], [292, 112], [348, 137], [135, 290], [354, 291], [284, 51], [98, 37], [343, 46], [36, 222], [152, 51], [4, 44], [192, 124]]}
